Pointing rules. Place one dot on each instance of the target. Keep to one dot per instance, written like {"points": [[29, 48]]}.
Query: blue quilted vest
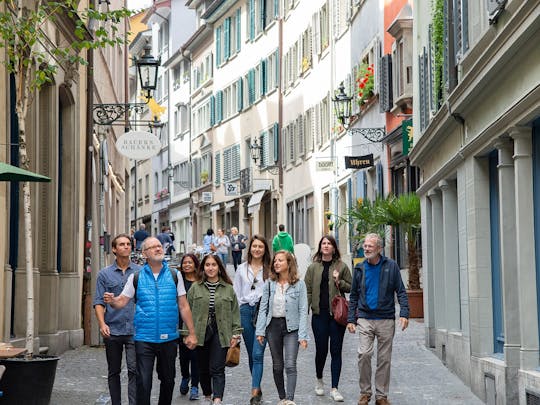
{"points": [[156, 313]]}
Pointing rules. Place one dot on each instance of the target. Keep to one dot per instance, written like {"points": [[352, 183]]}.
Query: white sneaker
{"points": [[319, 387], [336, 396]]}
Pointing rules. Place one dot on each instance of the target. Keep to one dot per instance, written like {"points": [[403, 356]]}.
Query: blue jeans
{"points": [[224, 257], [325, 328], [188, 358], [147, 354], [114, 346], [254, 349], [280, 340]]}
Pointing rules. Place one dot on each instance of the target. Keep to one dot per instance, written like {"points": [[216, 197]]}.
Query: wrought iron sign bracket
{"points": [[374, 135], [107, 114]]}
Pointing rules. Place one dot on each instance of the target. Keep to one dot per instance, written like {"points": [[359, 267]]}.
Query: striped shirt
{"points": [[212, 303]]}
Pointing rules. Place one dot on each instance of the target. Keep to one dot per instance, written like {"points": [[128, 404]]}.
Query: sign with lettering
{"points": [[324, 165], [232, 189], [407, 136], [359, 162], [138, 145]]}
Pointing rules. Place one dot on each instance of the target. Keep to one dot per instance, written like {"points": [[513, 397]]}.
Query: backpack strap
{"points": [[174, 274]]}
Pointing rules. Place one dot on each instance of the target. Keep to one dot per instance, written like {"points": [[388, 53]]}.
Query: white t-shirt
{"points": [[278, 309], [129, 288]]}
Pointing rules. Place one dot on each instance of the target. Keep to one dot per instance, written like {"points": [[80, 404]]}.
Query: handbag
{"points": [[233, 356], [213, 247], [340, 308], [255, 314]]}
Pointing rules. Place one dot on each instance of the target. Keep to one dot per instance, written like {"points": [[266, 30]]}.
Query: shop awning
{"points": [[255, 201], [14, 173]]}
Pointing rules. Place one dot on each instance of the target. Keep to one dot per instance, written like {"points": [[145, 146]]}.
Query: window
{"points": [[269, 140], [324, 27], [176, 77], [163, 38], [231, 163], [202, 117], [230, 100], [228, 38], [260, 14], [306, 50], [203, 71], [272, 71], [342, 11]]}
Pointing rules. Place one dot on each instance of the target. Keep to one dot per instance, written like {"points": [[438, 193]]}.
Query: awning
{"points": [[13, 173], [255, 201]]}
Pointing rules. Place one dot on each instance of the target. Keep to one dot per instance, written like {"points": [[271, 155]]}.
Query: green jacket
{"points": [[283, 241], [313, 283], [227, 311]]}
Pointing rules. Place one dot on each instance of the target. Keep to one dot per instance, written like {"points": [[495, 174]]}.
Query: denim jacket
{"points": [[296, 309]]}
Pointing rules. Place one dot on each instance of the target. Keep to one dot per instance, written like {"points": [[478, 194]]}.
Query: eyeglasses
{"points": [[154, 247], [253, 283]]}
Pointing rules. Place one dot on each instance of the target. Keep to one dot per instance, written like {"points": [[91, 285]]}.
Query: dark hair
{"points": [[222, 273], [336, 256], [266, 259], [210, 231], [196, 263], [291, 262], [281, 227], [114, 242]]}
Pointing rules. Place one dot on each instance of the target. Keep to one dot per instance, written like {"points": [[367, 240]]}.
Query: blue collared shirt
{"points": [[112, 279]]}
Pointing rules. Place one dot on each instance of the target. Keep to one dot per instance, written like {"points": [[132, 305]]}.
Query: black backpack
{"points": [[174, 274]]}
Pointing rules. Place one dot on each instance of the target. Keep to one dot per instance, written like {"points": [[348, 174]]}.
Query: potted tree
{"points": [[23, 33]]}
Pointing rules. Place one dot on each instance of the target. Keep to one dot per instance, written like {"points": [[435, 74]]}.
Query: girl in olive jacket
{"points": [[323, 277], [216, 317]]}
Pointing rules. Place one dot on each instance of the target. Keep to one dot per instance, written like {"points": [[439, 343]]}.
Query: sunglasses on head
{"points": [[253, 284]]}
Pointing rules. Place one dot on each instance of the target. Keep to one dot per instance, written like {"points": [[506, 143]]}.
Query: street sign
{"points": [[207, 196], [324, 165], [138, 145], [232, 189]]}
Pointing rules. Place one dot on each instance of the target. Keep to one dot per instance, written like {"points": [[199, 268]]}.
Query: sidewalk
{"points": [[418, 377]]}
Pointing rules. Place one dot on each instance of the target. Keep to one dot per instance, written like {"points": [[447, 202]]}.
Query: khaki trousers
{"points": [[383, 330]]}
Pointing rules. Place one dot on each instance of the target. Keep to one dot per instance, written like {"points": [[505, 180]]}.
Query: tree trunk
{"points": [[414, 271]]}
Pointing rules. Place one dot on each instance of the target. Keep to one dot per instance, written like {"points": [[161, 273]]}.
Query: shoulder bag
{"points": [[233, 356], [340, 307]]}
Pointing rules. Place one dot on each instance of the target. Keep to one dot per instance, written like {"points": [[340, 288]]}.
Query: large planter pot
{"points": [[28, 382], [416, 303]]}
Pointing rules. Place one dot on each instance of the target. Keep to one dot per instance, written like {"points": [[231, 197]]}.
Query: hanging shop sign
{"points": [[359, 162], [324, 165], [407, 136], [138, 145]]}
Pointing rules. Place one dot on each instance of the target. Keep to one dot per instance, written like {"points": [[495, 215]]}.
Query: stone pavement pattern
{"points": [[418, 377]]}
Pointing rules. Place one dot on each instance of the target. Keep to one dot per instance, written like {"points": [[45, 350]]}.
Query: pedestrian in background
{"points": [[217, 324], [326, 278], [189, 268], [116, 325], [166, 241], [283, 322], [372, 309], [282, 241], [238, 244], [222, 244], [208, 241], [159, 300], [140, 236], [249, 282]]}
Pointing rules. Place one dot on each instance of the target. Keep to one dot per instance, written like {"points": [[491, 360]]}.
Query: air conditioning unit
{"points": [[207, 197]]}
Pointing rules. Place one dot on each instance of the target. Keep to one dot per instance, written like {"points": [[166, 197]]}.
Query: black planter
{"points": [[28, 382]]}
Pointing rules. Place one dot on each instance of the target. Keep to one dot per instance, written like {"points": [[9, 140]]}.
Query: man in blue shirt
{"points": [[376, 282], [116, 325], [140, 236]]}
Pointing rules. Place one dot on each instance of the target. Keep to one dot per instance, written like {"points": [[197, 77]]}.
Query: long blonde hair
{"points": [[291, 262]]}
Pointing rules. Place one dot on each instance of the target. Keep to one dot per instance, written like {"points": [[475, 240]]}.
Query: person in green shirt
{"points": [[282, 241]]}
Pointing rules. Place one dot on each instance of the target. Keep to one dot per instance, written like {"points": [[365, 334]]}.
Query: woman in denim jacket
{"points": [[283, 321]]}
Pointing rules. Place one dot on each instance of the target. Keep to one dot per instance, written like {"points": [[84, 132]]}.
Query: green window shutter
{"points": [[251, 83], [263, 77], [276, 67], [238, 30], [227, 38], [240, 94], [212, 111], [219, 106], [262, 16], [235, 167], [276, 142], [218, 46], [218, 168], [276, 9], [251, 19]]}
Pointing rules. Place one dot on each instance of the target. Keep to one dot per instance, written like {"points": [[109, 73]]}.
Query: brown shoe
{"points": [[364, 399], [382, 401]]}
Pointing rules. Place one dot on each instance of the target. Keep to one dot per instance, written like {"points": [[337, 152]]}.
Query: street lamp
{"points": [[256, 151], [343, 111], [147, 68]]}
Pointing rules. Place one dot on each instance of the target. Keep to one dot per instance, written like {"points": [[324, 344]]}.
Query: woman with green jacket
{"points": [[326, 278], [216, 317]]}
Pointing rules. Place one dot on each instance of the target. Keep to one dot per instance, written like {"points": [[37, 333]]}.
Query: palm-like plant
{"points": [[404, 211], [365, 218]]}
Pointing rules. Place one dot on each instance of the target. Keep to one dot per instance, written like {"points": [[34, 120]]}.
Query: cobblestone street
{"points": [[418, 377]]}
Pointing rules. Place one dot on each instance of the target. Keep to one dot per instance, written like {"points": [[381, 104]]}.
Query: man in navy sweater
{"points": [[375, 283]]}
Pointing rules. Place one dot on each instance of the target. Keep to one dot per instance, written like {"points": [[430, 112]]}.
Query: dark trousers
{"points": [[237, 258], [188, 358], [326, 329], [165, 354], [211, 358], [114, 346]]}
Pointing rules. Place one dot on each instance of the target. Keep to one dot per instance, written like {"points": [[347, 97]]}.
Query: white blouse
{"points": [[278, 307]]}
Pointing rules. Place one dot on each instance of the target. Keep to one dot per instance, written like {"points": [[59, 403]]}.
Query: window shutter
{"points": [[251, 19], [465, 25], [431, 49], [262, 15], [380, 184], [360, 176], [236, 161], [218, 168], [292, 130], [275, 140], [263, 77], [227, 38], [238, 30], [446, 61], [426, 86], [422, 92], [212, 111], [226, 165], [251, 81], [239, 95], [317, 33], [219, 106], [263, 137], [385, 84], [218, 46], [301, 139], [277, 65], [276, 9], [284, 136]]}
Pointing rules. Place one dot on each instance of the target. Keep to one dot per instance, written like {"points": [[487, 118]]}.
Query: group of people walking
{"points": [[266, 304]]}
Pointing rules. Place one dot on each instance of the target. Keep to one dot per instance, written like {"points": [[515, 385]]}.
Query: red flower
{"points": [[362, 85]]}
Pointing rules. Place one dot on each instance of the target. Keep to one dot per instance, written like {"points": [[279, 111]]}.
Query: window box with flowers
{"points": [[306, 64], [365, 82]]}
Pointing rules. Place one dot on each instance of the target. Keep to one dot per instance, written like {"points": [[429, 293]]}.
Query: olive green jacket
{"points": [[227, 311], [313, 283]]}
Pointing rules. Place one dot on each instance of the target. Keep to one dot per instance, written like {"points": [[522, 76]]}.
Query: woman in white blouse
{"points": [[248, 285]]}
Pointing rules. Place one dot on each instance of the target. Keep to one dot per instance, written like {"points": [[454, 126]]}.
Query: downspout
{"points": [[273, 207]]}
